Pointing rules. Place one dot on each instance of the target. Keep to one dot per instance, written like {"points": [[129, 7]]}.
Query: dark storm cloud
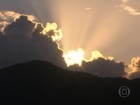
{"points": [[103, 68], [134, 75], [1, 34], [20, 27], [7, 17], [22, 41]]}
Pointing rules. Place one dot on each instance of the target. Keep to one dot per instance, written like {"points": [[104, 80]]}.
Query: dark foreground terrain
{"points": [[41, 83]]}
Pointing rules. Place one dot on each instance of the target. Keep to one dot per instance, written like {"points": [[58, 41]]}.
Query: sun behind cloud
{"points": [[77, 57], [74, 57]]}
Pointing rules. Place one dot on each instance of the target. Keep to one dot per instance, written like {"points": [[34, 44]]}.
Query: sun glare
{"points": [[77, 56], [74, 57]]}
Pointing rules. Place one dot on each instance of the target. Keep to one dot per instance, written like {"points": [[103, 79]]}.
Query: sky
{"points": [[109, 28]]}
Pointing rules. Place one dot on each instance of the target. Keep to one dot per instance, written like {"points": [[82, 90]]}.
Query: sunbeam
{"points": [[82, 21]]}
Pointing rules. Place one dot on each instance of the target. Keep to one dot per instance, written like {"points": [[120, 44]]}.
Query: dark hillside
{"points": [[42, 83]]}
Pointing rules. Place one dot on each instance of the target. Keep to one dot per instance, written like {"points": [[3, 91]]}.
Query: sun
{"points": [[78, 56], [74, 57]]}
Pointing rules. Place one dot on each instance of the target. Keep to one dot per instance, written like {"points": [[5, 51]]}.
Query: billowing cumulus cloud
{"points": [[52, 31], [23, 40], [6, 17], [103, 67], [97, 64], [133, 70], [22, 26]]}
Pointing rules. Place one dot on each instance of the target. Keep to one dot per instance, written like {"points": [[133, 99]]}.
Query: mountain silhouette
{"points": [[42, 83]]}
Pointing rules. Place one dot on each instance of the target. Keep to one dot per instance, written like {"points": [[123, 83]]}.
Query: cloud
{"points": [[23, 40], [11, 15], [128, 8], [103, 67], [1, 33], [6, 17], [53, 31], [133, 70], [131, 10], [134, 75], [22, 26]]}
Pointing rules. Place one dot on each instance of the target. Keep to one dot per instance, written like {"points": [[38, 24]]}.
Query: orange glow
{"points": [[133, 67], [76, 57], [85, 25], [95, 55], [53, 32]]}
